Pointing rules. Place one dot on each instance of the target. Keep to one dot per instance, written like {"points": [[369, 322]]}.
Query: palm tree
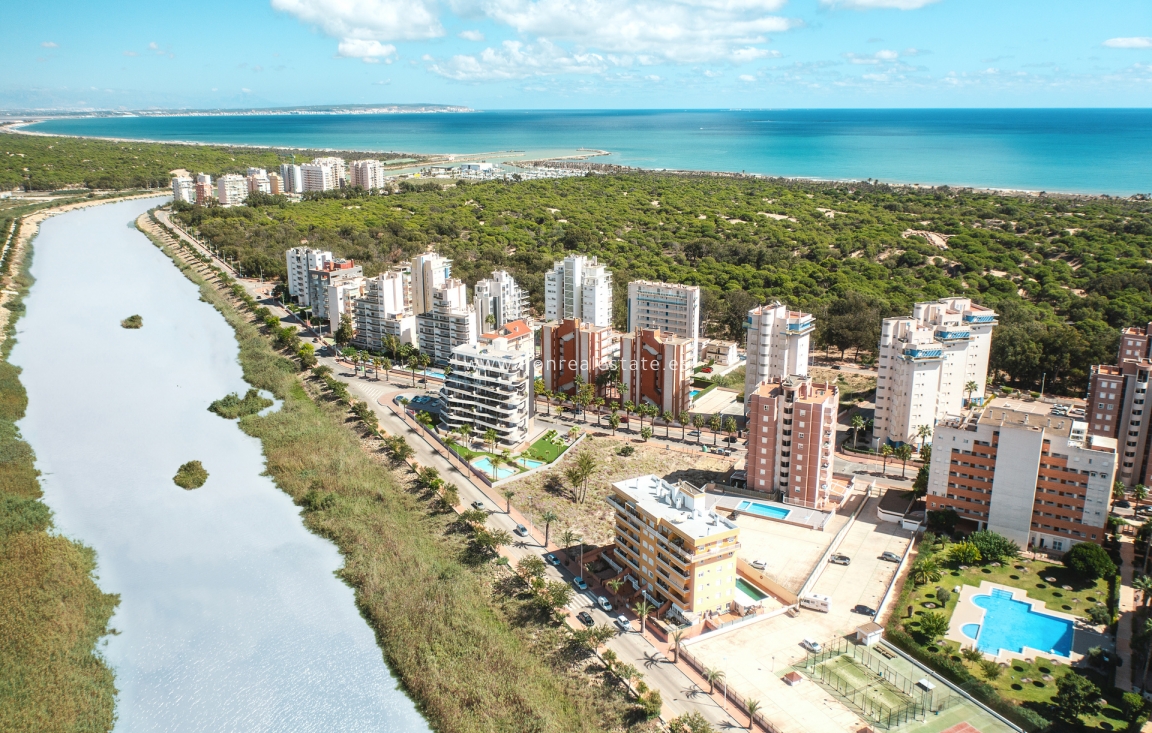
{"points": [[970, 387], [614, 421], [586, 465], [508, 494], [904, 453], [698, 423], [1139, 493], [684, 419], [857, 425], [573, 433], [714, 424], [730, 426], [614, 585], [1144, 585], [667, 417], [925, 571], [886, 451], [677, 637], [548, 517], [425, 361], [752, 706], [923, 432], [386, 365], [568, 538], [466, 433], [713, 676], [412, 363], [643, 609], [629, 407], [490, 439]]}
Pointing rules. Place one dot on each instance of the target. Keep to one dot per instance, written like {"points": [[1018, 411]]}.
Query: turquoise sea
{"points": [[1068, 150]]}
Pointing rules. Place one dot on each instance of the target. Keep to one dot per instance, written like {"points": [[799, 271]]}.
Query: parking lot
{"points": [[755, 657]]}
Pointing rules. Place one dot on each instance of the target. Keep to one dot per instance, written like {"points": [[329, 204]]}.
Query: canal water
{"points": [[230, 616]]}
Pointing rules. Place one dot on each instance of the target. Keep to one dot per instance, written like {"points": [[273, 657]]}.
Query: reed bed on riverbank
{"points": [[465, 659], [51, 612]]}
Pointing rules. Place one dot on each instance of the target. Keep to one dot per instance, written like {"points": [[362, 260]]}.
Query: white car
{"points": [[759, 564], [811, 645], [623, 622], [603, 603], [579, 583]]}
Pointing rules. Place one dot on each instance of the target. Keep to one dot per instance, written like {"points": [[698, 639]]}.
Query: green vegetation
{"points": [[548, 448], [1025, 692], [232, 406], [132, 322], [1089, 561], [191, 475], [444, 614], [1063, 273], [54, 163], [51, 612]]}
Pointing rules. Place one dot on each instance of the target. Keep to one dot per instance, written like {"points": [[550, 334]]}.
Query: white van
{"points": [[817, 602]]}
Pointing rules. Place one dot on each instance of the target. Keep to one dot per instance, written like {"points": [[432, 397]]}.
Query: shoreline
{"points": [[18, 128]]}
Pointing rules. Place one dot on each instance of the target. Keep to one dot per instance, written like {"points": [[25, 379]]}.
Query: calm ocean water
{"points": [[1083, 151]]}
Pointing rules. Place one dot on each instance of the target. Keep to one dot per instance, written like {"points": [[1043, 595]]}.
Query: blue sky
{"points": [[491, 54]]}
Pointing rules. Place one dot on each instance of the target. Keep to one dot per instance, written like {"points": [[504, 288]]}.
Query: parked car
{"points": [[579, 583], [864, 610], [623, 622], [552, 559], [477, 505], [521, 530], [837, 367], [585, 618], [693, 433], [759, 564], [890, 556], [603, 603], [811, 645], [840, 560], [1123, 504]]}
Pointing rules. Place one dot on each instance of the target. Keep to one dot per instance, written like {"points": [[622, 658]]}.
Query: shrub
{"points": [[231, 406], [190, 476], [943, 520], [1076, 696], [315, 501], [626, 451], [1100, 615], [692, 722], [1089, 561], [964, 553], [132, 322], [943, 595], [651, 704], [993, 547]]}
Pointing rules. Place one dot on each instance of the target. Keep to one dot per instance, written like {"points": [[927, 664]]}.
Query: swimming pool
{"points": [[763, 510], [485, 465], [1011, 625], [529, 463], [750, 590], [693, 393]]}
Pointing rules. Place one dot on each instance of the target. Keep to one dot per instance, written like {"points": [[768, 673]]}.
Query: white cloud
{"points": [[876, 77], [370, 52], [515, 60], [1135, 42], [876, 58], [870, 4], [679, 31], [49, 44], [131, 53], [471, 35], [152, 46], [747, 77], [652, 77], [712, 74], [367, 20]]}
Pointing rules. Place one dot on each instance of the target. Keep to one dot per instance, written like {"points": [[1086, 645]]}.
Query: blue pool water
{"points": [[529, 463], [763, 510], [1011, 625], [485, 465], [694, 393], [972, 631]]}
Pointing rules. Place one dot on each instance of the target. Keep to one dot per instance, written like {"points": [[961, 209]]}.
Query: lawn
{"points": [[546, 450]]}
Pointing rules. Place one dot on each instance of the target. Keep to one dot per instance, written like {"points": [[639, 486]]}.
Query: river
{"points": [[230, 616]]}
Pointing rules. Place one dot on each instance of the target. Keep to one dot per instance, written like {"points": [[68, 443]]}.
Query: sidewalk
{"points": [[1124, 631]]}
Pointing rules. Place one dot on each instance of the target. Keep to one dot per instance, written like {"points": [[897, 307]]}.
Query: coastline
{"points": [[580, 154]]}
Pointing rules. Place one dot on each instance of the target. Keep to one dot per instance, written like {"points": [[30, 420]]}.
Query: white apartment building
{"points": [[322, 174], [1052, 490], [499, 300], [292, 177], [326, 302], [429, 272], [578, 288], [451, 322], [383, 311], [490, 387], [666, 307], [777, 344], [258, 181], [184, 189], [367, 174], [925, 363], [231, 190], [341, 296], [300, 261]]}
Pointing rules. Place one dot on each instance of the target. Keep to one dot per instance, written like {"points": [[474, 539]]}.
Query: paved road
{"points": [[680, 695]]}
